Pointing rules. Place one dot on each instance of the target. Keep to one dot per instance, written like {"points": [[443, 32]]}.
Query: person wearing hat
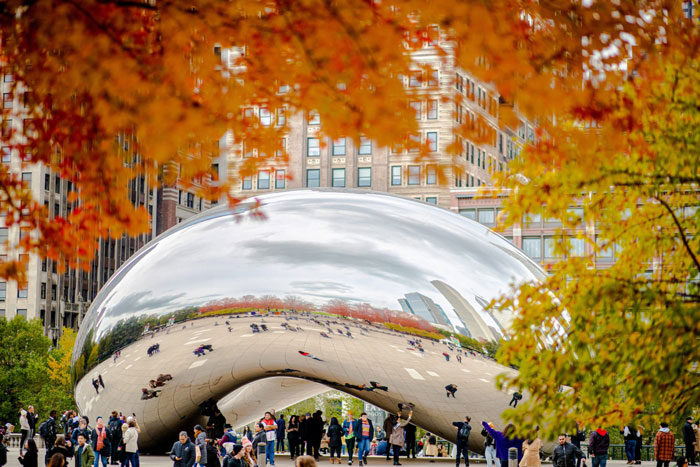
{"points": [[183, 451], [234, 456], [249, 455], [229, 437], [200, 443]]}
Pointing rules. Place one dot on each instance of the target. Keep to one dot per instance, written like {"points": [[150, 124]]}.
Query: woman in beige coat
{"points": [[531, 451]]}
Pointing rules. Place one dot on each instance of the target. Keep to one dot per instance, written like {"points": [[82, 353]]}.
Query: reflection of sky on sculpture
{"points": [[367, 247]]}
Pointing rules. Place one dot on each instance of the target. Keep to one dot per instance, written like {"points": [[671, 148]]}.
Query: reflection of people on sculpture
{"points": [[307, 354], [451, 389], [96, 385], [516, 398], [323, 334], [149, 393], [155, 348], [376, 385], [199, 351], [99, 379], [447, 356]]}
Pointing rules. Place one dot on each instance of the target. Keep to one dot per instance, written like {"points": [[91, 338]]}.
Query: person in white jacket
{"points": [[131, 444], [24, 427]]}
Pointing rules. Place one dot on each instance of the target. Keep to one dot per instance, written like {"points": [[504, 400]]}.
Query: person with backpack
{"points": [[48, 430], [576, 440], [115, 430], [464, 429], [82, 429]]}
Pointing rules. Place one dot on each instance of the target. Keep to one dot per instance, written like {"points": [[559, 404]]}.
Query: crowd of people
{"points": [[306, 436]]}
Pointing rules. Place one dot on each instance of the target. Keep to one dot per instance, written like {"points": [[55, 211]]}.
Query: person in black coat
{"points": [[689, 440], [293, 436], [304, 422], [3, 451], [335, 434], [212, 454], [564, 454], [464, 429], [235, 457], [410, 434], [31, 455], [316, 433], [115, 429], [60, 447]]}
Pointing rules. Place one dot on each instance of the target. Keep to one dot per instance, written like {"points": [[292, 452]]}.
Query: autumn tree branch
{"points": [[680, 230]]}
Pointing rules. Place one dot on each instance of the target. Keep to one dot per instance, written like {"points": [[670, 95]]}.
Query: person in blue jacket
{"points": [[504, 441]]}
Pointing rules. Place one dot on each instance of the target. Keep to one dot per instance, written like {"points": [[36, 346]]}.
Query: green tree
{"points": [[617, 345]]}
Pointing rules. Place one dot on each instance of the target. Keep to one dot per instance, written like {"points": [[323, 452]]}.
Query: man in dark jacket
{"points": [[388, 429], [576, 440], [3, 451], [316, 433], [410, 432], [689, 440], [82, 429], [281, 430], [598, 445], [182, 452], [215, 424], [464, 429], [564, 454], [115, 430]]}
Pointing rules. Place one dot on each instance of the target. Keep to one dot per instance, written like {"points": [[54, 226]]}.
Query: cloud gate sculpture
{"points": [[261, 313]]}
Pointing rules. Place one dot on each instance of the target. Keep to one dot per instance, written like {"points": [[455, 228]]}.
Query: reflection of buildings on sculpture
{"points": [[420, 305], [475, 326]]}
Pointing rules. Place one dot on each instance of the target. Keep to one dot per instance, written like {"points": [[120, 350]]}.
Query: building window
{"points": [[532, 246], [396, 175], [313, 147], [414, 79], [6, 155], [364, 176], [3, 233], [468, 213], [433, 78], [57, 184], [414, 175], [265, 117], [432, 110], [339, 147], [190, 200], [414, 142], [313, 178], [2, 312], [365, 146], [432, 140], [281, 116], [43, 290], [3, 291], [27, 177], [532, 220], [21, 293], [6, 100], [338, 178], [280, 179], [431, 178], [606, 251], [264, 180], [314, 118], [47, 182], [549, 247], [248, 183], [53, 291], [22, 312], [431, 200], [282, 148], [577, 247], [486, 216], [415, 105]]}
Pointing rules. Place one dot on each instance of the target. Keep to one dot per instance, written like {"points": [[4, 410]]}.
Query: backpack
{"points": [[44, 429], [464, 431]]}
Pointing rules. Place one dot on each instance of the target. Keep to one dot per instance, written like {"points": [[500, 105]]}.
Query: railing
{"points": [[13, 439], [617, 451]]}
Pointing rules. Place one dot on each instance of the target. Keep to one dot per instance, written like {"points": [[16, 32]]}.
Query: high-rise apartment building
{"points": [[318, 161], [62, 299]]}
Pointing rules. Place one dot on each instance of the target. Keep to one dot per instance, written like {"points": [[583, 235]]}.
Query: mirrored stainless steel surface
{"points": [[362, 254]]}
